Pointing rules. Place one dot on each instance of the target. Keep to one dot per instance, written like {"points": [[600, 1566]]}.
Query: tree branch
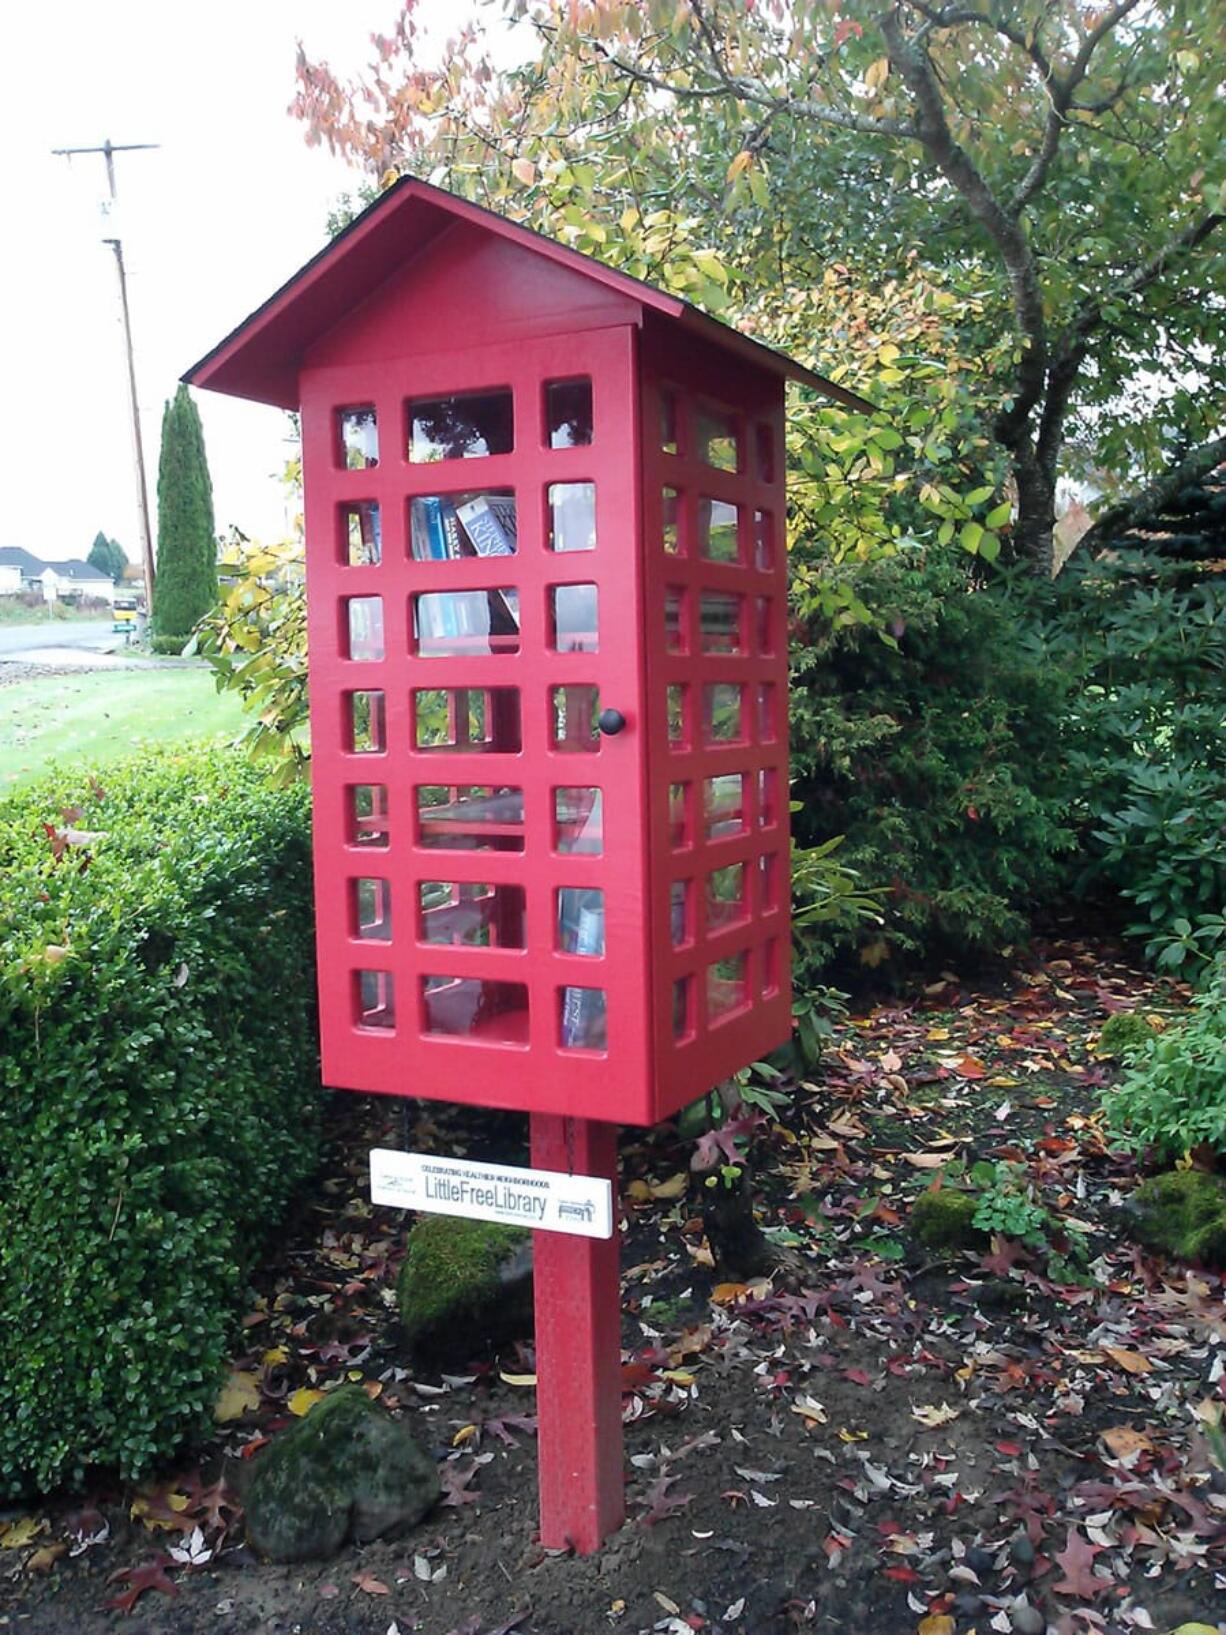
{"points": [[1151, 501]]}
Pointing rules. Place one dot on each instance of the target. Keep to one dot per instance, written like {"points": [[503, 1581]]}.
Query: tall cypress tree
{"points": [[187, 547]]}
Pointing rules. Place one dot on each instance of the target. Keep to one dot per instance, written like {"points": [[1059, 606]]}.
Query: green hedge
{"points": [[158, 1096]]}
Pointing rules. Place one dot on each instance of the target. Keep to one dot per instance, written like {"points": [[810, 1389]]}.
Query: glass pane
{"points": [[678, 712], [363, 534], [721, 712], [574, 618], [578, 826], [764, 447], [358, 435], [770, 968], [376, 999], [480, 817], [372, 909], [726, 900], [683, 1009], [470, 1008], [680, 829], [679, 913], [466, 623], [462, 914], [674, 620], [364, 635], [719, 531], [723, 805], [671, 521], [462, 427], [574, 718], [763, 541], [568, 413], [368, 723], [767, 727], [717, 441], [727, 986], [768, 798], [583, 1019], [368, 814], [572, 516], [473, 719], [719, 622], [668, 421], [443, 527], [581, 920]]}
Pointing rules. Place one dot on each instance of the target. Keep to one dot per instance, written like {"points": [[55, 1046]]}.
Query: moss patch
{"points": [[1124, 1033], [1182, 1214], [946, 1220], [464, 1284], [349, 1470]]}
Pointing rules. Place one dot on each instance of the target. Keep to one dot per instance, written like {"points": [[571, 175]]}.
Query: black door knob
{"points": [[610, 722]]}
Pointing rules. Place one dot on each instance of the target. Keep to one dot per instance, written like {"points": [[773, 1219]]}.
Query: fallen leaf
{"points": [[1125, 1442], [18, 1534], [371, 1585], [809, 1408], [238, 1396], [43, 1560], [937, 1623], [926, 1160], [516, 1379], [727, 1294], [1132, 1362], [1077, 1562], [303, 1400], [932, 1418]]}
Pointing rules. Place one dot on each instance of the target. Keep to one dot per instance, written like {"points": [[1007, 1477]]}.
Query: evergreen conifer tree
{"points": [[187, 547], [108, 556]]}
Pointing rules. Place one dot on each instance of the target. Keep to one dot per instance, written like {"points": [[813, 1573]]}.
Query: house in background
{"points": [[72, 580]]}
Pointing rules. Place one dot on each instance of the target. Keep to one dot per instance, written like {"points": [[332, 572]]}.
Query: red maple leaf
{"points": [[1077, 1560], [150, 1576], [661, 1503], [1005, 1255]]}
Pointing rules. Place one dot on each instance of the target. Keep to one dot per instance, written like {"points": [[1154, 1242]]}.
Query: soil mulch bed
{"points": [[902, 1443]]}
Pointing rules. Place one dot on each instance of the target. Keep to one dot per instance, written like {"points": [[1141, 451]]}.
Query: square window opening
{"points": [[363, 628], [568, 413], [683, 1009], [719, 622], [357, 435], [475, 1008], [764, 450], [461, 426], [670, 421], [670, 522], [764, 541], [680, 822], [467, 914], [583, 1022], [446, 527], [572, 516], [680, 916], [580, 921], [722, 712], [472, 720], [676, 637], [466, 623], [371, 904], [727, 987], [361, 535], [719, 530], [367, 723], [723, 803], [718, 444], [578, 825], [574, 624], [678, 702], [573, 711], [374, 999], [727, 901], [367, 815], [472, 817]]}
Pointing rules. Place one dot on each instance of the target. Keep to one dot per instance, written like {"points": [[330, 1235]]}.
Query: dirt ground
{"points": [[903, 1443]]}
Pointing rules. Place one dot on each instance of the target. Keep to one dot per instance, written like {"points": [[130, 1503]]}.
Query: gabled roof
{"points": [[13, 556], [260, 359], [74, 568]]}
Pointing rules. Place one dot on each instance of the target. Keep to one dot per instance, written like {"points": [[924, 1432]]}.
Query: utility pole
{"points": [[108, 150]]}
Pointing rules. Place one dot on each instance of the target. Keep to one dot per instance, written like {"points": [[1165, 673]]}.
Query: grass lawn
{"points": [[101, 715]]}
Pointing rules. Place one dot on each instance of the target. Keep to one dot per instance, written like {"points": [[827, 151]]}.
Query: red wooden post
{"points": [[578, 1352]]}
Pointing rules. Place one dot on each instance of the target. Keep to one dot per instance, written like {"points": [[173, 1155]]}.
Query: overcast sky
{"points": [[229, 206]]}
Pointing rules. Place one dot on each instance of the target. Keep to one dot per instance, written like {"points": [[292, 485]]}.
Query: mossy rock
{"points": [[1182, 1214], [464, 1287], [347, 1471], [1124, 1033], [945, 1219]]}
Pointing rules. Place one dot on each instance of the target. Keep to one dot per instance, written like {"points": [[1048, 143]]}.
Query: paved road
{"points": [[24, 638]]}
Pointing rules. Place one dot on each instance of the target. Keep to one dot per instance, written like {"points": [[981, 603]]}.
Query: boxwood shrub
{"points": [[159, 1096]]}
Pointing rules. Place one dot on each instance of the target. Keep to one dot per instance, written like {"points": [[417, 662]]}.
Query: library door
{"points": [[476, 695]]}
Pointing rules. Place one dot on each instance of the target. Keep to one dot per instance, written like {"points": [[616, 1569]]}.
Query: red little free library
{"points": [[547, 605]]}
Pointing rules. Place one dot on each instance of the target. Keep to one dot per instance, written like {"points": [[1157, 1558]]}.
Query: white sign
{"points": [[545, 1200]]}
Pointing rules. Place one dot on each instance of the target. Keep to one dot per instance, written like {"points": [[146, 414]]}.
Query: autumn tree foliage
{"points": [[187, 543], [1052, 167]]}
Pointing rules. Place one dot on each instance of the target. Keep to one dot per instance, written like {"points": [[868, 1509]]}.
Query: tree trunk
{"points": [[1034, 535]]}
